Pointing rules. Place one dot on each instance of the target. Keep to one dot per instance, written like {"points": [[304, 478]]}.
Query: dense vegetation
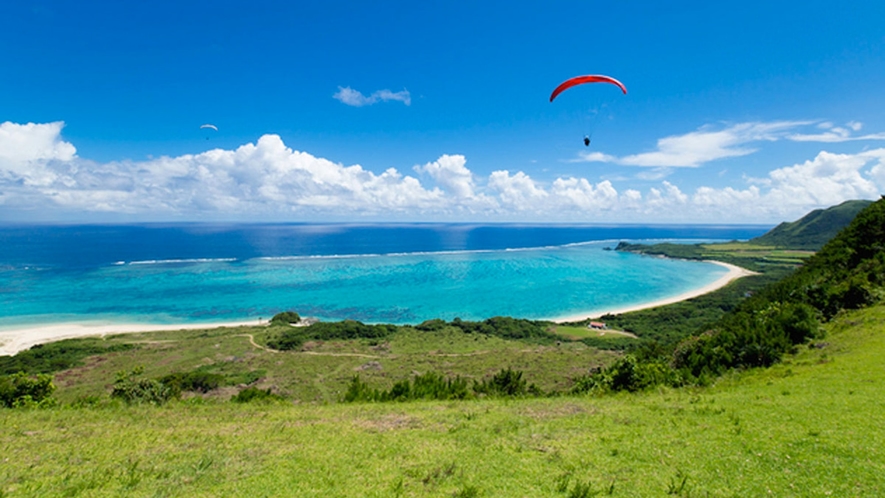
{"points": [[672, 323], [432, 385], [22, 390], [293, 338], [847, 273]]}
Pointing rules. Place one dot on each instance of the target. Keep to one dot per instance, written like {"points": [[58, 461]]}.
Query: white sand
{"points": [[734, 272], [19, 339]]}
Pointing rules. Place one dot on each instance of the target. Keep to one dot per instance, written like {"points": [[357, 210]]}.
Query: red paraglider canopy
{"points": [[579, 80]]}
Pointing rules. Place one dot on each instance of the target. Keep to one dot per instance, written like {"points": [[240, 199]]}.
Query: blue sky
{"points": [[754, 112]]}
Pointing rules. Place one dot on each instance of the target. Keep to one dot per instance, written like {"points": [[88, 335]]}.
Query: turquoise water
{"points": [[533, 283]]}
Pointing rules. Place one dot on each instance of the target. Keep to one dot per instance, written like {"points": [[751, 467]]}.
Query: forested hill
{"points": [[848, 272], [814, 229]]}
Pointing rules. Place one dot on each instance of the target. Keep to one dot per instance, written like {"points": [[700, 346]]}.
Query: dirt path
{"points": [[252, 342]]}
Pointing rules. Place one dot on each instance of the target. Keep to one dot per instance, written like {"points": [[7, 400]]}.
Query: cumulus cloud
{"points": [[581, 193], [41, 172], [451, 173], [517, 191], [823, 181], [355, 98], [27, 149]]}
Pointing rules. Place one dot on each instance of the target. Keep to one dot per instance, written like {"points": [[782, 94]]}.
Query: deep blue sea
{"points": [[392, 273]]}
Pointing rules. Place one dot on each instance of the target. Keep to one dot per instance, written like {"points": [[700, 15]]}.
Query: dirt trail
{"points": [[252, 342]]}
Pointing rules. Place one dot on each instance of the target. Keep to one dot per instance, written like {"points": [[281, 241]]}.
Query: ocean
{"points": [[375, 273]]}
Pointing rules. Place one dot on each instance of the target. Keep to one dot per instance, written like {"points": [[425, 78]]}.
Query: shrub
{"points": [[20, 389], [430, 385], [133, 389], [285, 318], [507, 382], [358, 390], [197, 381], [628, 373], [294, 338], [509, 328]]}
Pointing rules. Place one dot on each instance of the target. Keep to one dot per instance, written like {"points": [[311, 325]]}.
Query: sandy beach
{"points": [[19, 339], [734, 272], [14, 340]]}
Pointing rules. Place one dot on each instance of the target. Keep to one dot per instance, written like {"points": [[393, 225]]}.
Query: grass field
{"points": [[811, 426], [321, 372]]}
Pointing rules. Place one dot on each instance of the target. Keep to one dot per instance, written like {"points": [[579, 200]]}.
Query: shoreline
{"points": [[734, 273], [15, 340]]}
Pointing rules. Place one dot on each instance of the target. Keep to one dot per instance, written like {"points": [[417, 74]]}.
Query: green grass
{"points": [[320, 373], [810, 426]]}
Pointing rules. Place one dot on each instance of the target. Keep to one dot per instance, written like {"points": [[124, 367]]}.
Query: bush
{"points": [[509, 328], [20, 389], [507, 382], [358, 390], [294, 338], [630, 374], [133, 389], [196, 381], [285, 318], [430, 385]]}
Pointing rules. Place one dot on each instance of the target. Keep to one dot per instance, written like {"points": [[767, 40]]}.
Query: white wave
{"points": [[178, 261]]}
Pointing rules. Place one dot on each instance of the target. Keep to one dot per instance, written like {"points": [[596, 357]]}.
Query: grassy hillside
{"points": [[318, 371], [806, 427], [814, 229]]}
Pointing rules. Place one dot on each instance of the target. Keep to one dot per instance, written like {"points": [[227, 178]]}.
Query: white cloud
{"points": [[351, 97], [826, 180], [582, 194], [451, 173], [517, 191], [654, 173], [267, 180], [595, 157], [704, 145], [836, 134], [26, 150], [708, 144]]}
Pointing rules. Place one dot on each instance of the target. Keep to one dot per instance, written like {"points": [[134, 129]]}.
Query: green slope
{"points": [[814, 229], [810, 426]]}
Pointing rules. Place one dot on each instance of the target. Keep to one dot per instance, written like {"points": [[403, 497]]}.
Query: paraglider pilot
{"points": [[586, 141]]}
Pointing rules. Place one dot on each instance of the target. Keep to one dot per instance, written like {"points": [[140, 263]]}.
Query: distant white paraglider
{"points": [[209, 126]]}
